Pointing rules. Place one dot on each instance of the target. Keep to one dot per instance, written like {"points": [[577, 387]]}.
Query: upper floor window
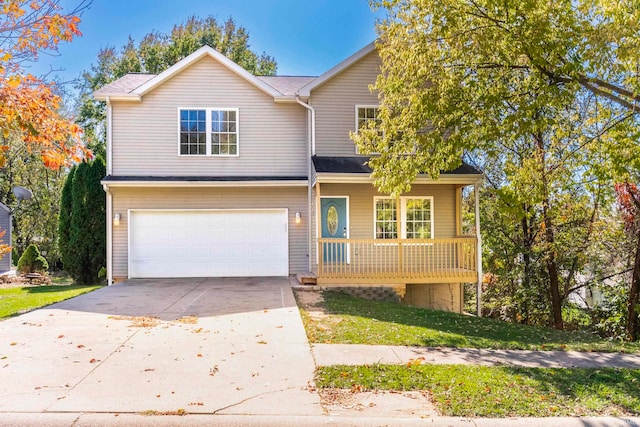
{"points": [[416, 218], [209, 132], [366, 114]]}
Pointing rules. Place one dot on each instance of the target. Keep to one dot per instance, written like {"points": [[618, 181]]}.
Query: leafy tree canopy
{"points": [[460, 74]]}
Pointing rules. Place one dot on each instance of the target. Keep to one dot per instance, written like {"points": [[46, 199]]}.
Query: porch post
{"points": [[399, 237], [476, 190]]}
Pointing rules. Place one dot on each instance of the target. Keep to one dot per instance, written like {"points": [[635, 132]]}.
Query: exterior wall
{"points": [[272, 137], [335, 103], [361, 209], [295, 199], [5, 225], [440, 296]]}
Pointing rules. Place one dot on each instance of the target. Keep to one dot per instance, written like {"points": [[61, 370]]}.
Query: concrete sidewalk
{"points": [[362, 354]]}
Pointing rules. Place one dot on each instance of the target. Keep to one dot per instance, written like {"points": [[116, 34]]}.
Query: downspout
{"points": [[109, 234], [311, 151], [476, 190], [109, 196]]}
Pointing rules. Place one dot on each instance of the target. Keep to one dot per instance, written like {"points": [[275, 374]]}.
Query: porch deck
{"points": [[375, 261]]}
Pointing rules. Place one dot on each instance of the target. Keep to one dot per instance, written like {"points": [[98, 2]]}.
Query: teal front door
{"points": [[333, 213]]}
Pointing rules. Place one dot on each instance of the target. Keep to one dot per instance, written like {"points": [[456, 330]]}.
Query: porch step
{"points": [[307, 279]]}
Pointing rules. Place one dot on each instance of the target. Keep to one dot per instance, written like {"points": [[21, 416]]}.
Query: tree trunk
{"points": [[634, 297], [552, 265]]}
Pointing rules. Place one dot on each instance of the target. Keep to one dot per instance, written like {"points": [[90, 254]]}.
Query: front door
{"points": [[334, 226]]}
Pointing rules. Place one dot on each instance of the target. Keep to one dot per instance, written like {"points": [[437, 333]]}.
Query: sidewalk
{"points": [[362, 354]]}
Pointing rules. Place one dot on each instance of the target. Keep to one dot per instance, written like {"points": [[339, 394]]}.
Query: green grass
{"points": [[15, 301], [480, 391], [352, 320]]}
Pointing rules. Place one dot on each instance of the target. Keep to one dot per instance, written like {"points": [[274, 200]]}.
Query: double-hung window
{"points": [[366, 114], [209, 132], [416, 218]]}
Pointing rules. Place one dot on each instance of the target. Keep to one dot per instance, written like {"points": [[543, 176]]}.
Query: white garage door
{"points": [[208, 243]]}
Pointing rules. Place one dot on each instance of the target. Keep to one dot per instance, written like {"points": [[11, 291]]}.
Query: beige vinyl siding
{"points": [[361, 207], [335, 103], [294, 199], [272, 137], [361, 216]]}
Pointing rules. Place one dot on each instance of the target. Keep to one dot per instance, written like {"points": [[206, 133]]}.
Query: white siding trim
{"points": [[160, 184], [351, 178]]}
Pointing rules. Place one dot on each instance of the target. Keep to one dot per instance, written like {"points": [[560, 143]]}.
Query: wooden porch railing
{"points": [[397, 260]]}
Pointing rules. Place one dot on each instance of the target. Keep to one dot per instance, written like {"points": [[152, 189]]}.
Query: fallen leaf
{"points": [[262, 342], [279, 327], [60, 336], [157, 395], [149, 369], [14, 343], [93, 361], [199, 355], [80, 346]]}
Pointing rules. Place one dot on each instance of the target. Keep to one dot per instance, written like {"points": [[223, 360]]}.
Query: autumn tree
{"points": [[29, 106], [543, 90], [155, 53]]}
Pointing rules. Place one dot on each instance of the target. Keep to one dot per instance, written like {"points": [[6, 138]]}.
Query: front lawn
{"points": [[15, 301], [481, 391], [344, 319]]}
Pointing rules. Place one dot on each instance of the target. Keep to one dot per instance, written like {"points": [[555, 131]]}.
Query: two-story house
{"points": [[212, 171]]}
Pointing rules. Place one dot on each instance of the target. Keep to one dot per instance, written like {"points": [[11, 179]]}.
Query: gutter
{"points": [[311, 151]]}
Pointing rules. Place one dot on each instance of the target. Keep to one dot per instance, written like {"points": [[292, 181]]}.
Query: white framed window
{"points": [[416, 217], [208, 132], [365, 114]]}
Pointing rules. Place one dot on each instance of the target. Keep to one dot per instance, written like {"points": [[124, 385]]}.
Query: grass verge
{"points": [[480, 391], [348, 320], [14, 301]]}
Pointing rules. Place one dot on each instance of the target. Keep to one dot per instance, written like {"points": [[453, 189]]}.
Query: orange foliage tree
{"points": [[29, 107]]}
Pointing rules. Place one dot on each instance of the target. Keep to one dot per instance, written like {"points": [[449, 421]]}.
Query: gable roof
{"points": [[287, 85], [305, 91], [134, 88], [123, 86]]}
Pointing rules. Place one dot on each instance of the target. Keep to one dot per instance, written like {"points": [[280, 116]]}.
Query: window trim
{"points": [[208, 111], [357, 128], [402, 211]]}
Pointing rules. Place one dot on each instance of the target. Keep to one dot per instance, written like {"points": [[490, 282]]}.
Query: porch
{"points": [[385, 261]]}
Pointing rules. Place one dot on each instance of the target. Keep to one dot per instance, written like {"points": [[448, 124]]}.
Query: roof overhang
{"points": [[200, 182], [118, 97], [352, 178]]}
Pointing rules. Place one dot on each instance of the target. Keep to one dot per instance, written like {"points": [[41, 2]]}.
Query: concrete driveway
{"points": [[223, 346]]}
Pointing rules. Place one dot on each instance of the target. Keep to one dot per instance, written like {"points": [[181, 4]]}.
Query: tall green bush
{"points": [[84, 251], [64, 220]]}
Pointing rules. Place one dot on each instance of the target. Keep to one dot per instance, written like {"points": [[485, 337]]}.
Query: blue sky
{"points": [[306, 37]]}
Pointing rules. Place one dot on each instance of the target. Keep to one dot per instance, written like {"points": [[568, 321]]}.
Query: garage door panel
{"points": [[208, 243]]}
